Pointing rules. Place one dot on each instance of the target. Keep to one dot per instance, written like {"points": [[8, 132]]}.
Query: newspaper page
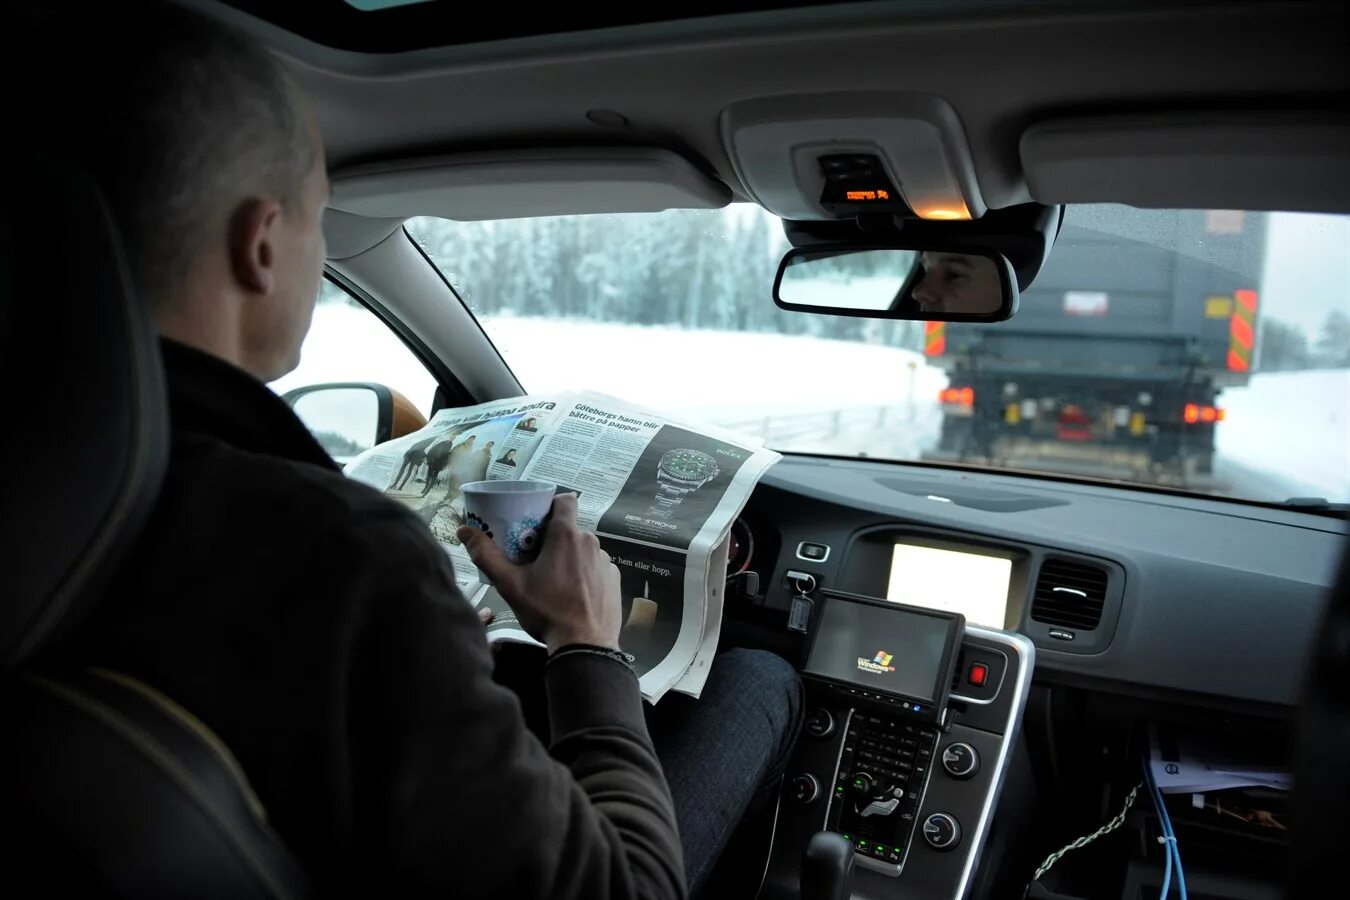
{"points": [[425, 469], [659, 494]]}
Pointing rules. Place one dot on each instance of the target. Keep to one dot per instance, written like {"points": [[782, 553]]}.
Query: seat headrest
{"points": [[86, 419]]}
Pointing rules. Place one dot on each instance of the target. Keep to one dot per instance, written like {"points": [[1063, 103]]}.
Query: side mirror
{"points": [[348, 418], [936, 283]]}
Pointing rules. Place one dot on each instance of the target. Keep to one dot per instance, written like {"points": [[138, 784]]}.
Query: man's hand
{"points": [[569, 594]]}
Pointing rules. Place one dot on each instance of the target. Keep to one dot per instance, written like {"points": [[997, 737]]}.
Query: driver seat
{"points": [[115, 789]]}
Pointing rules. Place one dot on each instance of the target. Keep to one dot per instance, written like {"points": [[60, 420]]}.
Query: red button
{"points": [[979, 673]]}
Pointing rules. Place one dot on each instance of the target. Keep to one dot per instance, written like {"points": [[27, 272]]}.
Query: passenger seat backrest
{"points": [[85, 423], [112, 788], [122, 791]]}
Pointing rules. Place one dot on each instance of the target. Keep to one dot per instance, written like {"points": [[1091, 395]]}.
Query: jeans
{"points": [[723, 754]]}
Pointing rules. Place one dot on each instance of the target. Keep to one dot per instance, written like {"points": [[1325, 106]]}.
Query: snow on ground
{"points": [[789, 384], [348, 343], [1286, 434], [1293, 430], [722, 376]]}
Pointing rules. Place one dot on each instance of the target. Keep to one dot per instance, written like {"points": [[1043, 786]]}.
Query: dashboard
{"points": [[1183, 594], [1064, 622]]}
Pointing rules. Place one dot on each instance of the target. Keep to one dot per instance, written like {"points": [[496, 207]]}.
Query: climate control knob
{"points": [[863, 783], [819, 723], [960, 760], [941, 831], [804, 789]]}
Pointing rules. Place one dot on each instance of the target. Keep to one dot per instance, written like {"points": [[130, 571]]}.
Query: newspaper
{"points": [[660, 494], [1190, 764]]}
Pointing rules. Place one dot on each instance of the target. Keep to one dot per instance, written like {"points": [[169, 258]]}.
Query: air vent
{"points": [[1069, 594]]}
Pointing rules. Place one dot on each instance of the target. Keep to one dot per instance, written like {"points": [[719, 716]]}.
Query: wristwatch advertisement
{"points": [[680, 473]]}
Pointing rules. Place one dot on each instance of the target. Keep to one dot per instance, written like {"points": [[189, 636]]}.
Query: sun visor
{"points": [[1197, 161], [528, 183], [784, 150]]}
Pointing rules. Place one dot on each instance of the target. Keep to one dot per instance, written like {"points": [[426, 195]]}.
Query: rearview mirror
{"points": [[941, 284]]}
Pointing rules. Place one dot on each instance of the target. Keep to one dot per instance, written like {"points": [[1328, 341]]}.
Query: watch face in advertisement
{"points": [[892, 650], [688, 465], [674, 487]]}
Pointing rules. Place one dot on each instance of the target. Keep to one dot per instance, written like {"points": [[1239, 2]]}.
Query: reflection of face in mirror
{"points": [[957, 283]]}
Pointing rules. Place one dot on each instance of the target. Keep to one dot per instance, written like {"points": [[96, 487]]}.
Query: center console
{"points": [[911, 716]]}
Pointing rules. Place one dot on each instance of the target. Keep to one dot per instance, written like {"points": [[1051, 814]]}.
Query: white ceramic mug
{"points": [[511, 512]]}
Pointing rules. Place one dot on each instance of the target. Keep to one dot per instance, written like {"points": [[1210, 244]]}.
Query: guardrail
{"points": [[780, 427]]}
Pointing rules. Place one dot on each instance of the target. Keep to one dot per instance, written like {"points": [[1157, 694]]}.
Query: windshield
{"points": [[1206, 350]]}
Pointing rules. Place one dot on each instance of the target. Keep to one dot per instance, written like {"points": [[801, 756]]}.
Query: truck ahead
{"points": [[1115, 364]]}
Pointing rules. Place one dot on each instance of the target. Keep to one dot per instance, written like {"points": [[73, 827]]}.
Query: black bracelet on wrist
{"points": [[626, 659]]}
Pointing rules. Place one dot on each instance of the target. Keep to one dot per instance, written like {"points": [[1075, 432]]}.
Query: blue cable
{"points": [[1157, 807], [1172, 844], [1169, 838]]}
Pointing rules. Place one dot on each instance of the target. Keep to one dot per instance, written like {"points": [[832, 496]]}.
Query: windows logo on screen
{"points": [[879, 664]]}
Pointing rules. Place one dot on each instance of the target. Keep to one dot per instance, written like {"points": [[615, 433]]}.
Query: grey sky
{"points": [[1307, 269]]}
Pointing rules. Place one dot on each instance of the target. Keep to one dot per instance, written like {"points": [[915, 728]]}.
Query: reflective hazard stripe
{"points": [[934, 338], [1242, 331]]}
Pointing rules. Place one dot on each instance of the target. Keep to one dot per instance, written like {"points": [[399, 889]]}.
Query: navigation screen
{"points": [[885, 649], [975, 586]]}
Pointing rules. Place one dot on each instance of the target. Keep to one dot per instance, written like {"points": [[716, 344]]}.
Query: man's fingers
{"points": [[485, 615], [565, 509], [487, 556]]}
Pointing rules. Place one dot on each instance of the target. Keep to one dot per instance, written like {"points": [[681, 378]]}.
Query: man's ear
{"points": [[252, 244]]}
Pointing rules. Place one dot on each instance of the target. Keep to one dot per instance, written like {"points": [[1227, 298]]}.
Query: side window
{"points": [[349, 343]]}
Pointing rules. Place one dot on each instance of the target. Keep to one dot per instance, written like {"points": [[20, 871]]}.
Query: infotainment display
{"points": [[887, 648], [972, 584]]}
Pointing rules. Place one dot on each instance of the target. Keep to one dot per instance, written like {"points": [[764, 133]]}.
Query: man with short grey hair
{"points": [[314, 624]]}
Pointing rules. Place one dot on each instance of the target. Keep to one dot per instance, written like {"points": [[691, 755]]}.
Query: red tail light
{"points": [[957, 396], [1074, 424], [1194, 412]]}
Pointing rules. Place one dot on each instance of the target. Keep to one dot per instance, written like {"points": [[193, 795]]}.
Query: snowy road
{"points": [[1286, 434]]}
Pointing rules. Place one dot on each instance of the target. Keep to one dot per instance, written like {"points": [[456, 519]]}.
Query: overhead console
{"points": [[840, 155]]}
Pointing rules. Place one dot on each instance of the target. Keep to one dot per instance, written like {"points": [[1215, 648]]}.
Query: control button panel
{"points": [[960, 760], [883, 768], [924, 711], [941, 831]]}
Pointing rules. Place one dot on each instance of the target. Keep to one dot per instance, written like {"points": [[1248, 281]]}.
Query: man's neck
{"points": [[208, 327]]}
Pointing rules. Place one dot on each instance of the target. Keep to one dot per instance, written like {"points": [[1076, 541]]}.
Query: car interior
{"points": [[1124, 627]]}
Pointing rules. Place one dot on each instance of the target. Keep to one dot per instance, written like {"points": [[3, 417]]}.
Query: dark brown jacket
{"points": [[315, 626]]}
